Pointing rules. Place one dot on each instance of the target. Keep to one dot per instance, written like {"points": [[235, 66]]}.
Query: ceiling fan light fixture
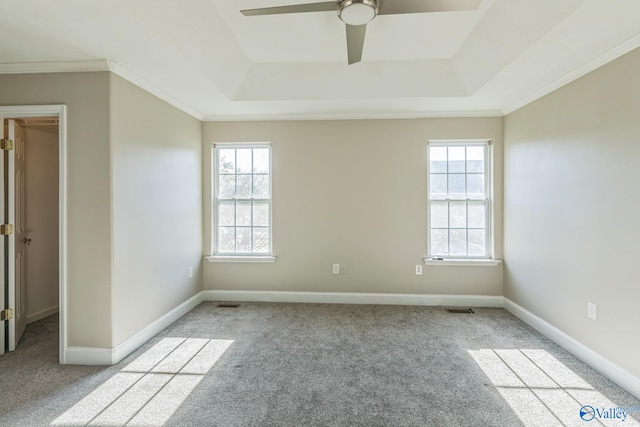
{"points": [[357, 12]]}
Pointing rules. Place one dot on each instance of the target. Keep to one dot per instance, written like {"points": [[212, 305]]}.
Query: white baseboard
{"points": [[133, 343], [615, 373], [41, 314], [355, 298], [88, 356], [111, 356]]}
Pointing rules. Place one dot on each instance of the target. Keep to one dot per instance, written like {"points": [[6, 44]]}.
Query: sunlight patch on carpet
{"points": [[543, 391], [151, 388]]}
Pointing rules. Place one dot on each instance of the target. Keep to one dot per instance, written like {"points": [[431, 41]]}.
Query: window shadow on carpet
{"points": [[150, 389], [542, 391]]}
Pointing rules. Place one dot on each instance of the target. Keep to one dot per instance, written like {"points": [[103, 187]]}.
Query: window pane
{"points": [[261, 186], [243, 213], [439, 242], [477, 242], [227, 188], [244, 187], [438, 159], [458, 242], [243, 226], [457, 224], [456, 186], [261, 213], [243, 239], [261, 240], [261, 160], [226, 239], [458, 215], [475, 159], [226, 215], [456, 159], [475, 186], [438, 185], [226, 161], [243, 157], [476, 216], [439, 215]]}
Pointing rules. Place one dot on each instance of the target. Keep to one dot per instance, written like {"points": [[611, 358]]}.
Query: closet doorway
{"points": [[32, 229]]}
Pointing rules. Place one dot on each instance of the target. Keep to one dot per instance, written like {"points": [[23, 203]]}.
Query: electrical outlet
{"points": [[592, 310], [418, 270], [343, 269], [336, 268], [190, 272]]}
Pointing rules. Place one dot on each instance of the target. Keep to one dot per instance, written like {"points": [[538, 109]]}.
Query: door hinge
{"points": [[6, 314], [6, 229], [6, 144]]}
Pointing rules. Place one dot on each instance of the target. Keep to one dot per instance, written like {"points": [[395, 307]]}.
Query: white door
{"points": [[17, 254], [3, 135]]}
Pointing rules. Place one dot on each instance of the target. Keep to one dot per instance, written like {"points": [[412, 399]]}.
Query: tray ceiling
{"points": [[209, 60]]}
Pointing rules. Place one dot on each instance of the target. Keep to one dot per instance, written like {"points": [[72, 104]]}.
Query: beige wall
{"points": [[571, 209], [352, 192], [41, 194], [88, 192], [156, 206]]}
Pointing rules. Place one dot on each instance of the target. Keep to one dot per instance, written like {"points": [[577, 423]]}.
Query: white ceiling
{"points": [[206, 58]]}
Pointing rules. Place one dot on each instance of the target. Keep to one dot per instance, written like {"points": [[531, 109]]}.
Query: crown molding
{"points": [[94, 66], [146, 85], [54, 67], [587, 67], [353, 116]]}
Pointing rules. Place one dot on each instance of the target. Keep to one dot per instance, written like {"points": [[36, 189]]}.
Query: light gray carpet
{"points": [[326, 365]]}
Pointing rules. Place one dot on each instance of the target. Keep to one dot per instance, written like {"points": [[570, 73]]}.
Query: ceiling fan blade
{"points": [[355, 42], [329, 6], [392, 7]]}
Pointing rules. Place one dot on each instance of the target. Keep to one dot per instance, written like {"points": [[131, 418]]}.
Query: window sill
{"points": [[239, 258], [463, 262]]}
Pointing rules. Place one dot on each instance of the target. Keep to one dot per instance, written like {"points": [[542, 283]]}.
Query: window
{"points": [[459, 201], [242, 199]]}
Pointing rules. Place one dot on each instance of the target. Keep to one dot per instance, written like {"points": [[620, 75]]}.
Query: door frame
{"points": [[59, 110]]}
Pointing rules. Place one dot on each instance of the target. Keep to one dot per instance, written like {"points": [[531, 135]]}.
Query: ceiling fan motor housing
{"points": [[357, 12]]}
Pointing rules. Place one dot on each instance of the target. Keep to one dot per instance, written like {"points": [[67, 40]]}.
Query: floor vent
{"points": [[229, 305], [459, 310]]}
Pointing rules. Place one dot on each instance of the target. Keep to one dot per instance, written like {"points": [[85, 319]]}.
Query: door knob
{"points": [[26, 241]]}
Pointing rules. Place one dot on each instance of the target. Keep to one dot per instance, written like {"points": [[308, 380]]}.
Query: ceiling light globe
{"points": [[357, 12]]}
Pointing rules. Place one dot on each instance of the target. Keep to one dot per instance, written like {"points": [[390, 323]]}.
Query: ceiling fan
{"points": [[357, 13]]}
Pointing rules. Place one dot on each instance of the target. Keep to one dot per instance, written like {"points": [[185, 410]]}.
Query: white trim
{"points": [[54, 67], [61, 112], [99, 65], [42, 314], [216, 200], [10, 254], [615, 373], [355, 298], [352, 116], [248, 259], [462, 262], [111, 356], [243, 144], [133, 343], [487, 201], [587, 67], [88, 356], [146, 85], [477, 142]]}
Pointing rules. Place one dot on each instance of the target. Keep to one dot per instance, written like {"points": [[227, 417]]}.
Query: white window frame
{"points": [[238, 256], [487, 201]]}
